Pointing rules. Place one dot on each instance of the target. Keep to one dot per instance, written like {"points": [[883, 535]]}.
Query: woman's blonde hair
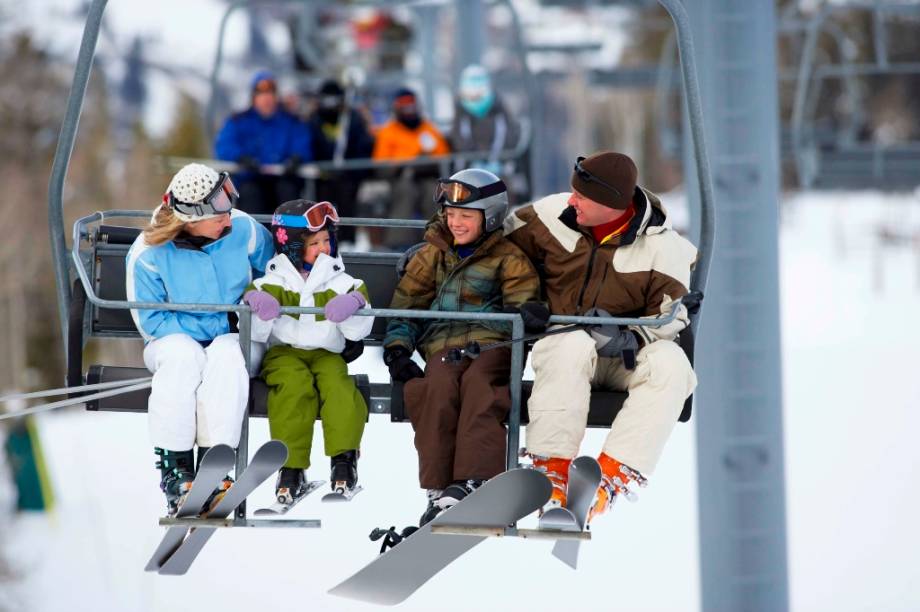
{"points": [[163, 228]]}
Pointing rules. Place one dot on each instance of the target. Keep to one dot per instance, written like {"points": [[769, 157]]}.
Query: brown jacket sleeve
{"points": [[520, 282], [416, 291]]}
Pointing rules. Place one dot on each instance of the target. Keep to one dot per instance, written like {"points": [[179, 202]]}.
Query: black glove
{"points": [[611, 340], [535, 315], [292, 165], [353, 349], [249, 163], [399, 361]]}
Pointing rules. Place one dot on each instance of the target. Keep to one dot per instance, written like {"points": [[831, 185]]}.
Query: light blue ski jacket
{"points": [[216, 273]]}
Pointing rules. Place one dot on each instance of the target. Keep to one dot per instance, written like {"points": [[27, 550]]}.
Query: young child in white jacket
{"points": [[303, 367]]}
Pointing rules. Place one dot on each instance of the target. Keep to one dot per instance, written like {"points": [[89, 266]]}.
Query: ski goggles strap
{"points": [[314, 219], [586, 176], [220, 201], [458, 192]]}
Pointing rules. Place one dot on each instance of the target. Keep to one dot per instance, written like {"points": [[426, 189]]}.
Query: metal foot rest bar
{"points": [[511, 532], [231, 522]]}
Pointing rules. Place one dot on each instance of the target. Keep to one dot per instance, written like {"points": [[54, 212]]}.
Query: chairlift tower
{"points": [[739, 421]]}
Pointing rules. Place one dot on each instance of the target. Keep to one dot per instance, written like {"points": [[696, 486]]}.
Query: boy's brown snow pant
{"points": [[457, 411]]}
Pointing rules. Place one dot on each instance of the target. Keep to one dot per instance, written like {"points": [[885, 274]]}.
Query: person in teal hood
{"points": [[482, 123]]}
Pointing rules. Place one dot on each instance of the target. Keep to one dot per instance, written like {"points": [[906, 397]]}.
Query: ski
{"points": [[342, 495], [280, 508], [394, 575], [214, 466], [267, 460], [584, 478], [559, 518]]}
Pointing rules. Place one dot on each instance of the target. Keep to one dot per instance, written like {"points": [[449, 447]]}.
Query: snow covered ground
{"points": [[851, 391]]}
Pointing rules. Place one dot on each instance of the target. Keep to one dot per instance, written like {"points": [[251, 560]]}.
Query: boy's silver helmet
{"points": [[477, 189]]}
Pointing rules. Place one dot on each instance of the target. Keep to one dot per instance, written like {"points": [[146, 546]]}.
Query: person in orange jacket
{"points": [[408, 135]]}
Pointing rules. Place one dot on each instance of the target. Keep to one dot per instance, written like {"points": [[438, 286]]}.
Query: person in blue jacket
{"points": [[265, 133], [196, 249]]}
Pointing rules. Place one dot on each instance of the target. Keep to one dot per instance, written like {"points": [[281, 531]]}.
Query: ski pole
{"points": [[78, 389], [77, 400], [473, 349]]}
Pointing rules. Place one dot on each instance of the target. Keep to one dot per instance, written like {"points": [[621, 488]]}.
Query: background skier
{"points": [[265, 133], [332, 117], [408, 135], [196, 249], [607, 248]]}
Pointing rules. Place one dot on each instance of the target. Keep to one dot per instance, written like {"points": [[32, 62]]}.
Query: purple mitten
{"points": [[263, 304], [343, 306]]}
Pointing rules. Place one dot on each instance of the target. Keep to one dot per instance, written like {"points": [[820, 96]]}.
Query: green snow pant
{"points": [[303, 384]]}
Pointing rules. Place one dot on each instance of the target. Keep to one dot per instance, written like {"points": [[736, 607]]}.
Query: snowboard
{"points": [[267, 460], [393, 576], [584, 478], [280, 509], [216, 463]]}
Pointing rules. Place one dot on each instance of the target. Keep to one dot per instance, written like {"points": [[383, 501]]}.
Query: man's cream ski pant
{"points": [[566, 367]]}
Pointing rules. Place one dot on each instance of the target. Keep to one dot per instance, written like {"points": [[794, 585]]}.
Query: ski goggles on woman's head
{"points": [[456, 192], [586, 176], [220, 201], [314, 219]]}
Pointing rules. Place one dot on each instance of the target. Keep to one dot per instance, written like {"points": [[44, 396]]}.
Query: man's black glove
{"points": [[535, 315], [399, 361], [611, 340], [249, 163], [353, 349], [292, 165]]}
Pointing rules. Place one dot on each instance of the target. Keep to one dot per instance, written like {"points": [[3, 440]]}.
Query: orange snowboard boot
{"points": [[557, 470], [615, 479]]}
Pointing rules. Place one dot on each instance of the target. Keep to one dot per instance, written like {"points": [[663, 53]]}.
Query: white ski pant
{"points": [[198, 395], [566, 368]]}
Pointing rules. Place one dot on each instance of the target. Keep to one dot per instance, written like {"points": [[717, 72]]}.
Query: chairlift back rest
{"points": [[111, 244]]}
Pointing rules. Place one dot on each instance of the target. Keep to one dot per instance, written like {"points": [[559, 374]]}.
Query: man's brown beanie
{"points": [[614, 169]]}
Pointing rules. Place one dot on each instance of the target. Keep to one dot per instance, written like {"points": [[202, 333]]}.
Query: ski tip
{"points": [[275, 449], [560, 519], [586, 464]]}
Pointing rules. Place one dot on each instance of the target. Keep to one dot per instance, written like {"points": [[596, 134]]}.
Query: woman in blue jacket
{"points": [[196, 249]]}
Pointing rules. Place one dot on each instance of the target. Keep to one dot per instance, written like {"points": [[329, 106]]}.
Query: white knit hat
{"points": [[191, 185]]}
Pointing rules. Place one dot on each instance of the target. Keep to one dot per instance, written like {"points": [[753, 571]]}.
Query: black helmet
{"points": [[293, 220]]}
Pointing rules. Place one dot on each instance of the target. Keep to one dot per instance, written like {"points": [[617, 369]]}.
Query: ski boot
{"points": [[218, 493], [432, 510], [291, 484], [557, 471], [344, 476], [456, 492], [176, 476], [615, 479]]}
